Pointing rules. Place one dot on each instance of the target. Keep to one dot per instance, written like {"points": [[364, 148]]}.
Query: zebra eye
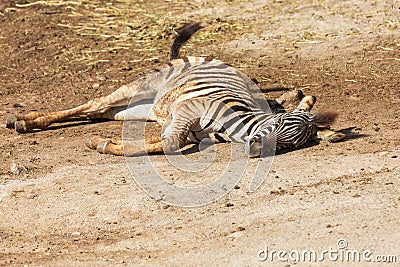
{"points": [[255, 139]]}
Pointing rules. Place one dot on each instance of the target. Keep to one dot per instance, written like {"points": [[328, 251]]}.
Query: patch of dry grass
{"points": [[132, 25]]}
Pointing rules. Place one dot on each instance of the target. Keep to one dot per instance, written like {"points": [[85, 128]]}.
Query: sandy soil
{"points": [[62, 204]]}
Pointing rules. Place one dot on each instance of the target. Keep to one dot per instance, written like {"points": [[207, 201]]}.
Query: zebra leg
{"points": [[171, 141], [98, 107], [93, 142], [127, 147], [32, 121], [131, 148], [138, 111], [286, 101], [289, 97], [135, 148], [12, 119], [326, 135]]}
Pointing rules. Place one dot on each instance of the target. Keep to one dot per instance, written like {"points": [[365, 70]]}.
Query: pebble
{"points": [[235, 235], [17, 168], [95, 85]]}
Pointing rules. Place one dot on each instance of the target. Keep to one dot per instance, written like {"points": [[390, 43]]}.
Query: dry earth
{"points": [[61, 204]]}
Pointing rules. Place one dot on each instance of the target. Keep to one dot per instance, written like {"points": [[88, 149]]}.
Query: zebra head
{"points": [[285, 130]]}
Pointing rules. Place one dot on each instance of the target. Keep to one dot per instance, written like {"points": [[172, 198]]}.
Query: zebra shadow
{"points": [[350, 135]]}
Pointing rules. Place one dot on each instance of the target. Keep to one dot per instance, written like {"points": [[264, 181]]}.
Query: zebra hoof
{"points": [[20, 126], [93, 142], [326, 135], [102, 147], [10, 122]]}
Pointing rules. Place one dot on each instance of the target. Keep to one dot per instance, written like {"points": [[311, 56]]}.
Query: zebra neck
{"points": [[267, 123], [249, 124]]}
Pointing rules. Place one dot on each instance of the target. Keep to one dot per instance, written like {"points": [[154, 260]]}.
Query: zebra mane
{"points": [[184, 35]]}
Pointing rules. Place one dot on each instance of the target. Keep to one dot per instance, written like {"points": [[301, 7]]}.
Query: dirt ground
{"points": [[62, 204]]}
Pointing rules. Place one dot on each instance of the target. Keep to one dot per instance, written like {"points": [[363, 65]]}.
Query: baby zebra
{"points": [[194, 98]]}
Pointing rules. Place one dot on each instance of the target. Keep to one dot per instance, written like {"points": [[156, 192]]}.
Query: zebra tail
{"points": [[325, 118], [183, 36]]}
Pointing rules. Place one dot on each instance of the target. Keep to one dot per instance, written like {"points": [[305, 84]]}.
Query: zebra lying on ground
{"points": [[194, 98]]}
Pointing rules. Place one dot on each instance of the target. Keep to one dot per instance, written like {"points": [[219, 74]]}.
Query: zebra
{"points": [[194, 98]]}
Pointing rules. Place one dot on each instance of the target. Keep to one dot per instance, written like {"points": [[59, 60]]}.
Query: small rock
{"points": [[95, 85], [101, 78], [235, 235], [17, 105], [17, 168]]}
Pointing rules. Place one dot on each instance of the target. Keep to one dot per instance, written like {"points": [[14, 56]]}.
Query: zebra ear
{"points": [[259, 147]]}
